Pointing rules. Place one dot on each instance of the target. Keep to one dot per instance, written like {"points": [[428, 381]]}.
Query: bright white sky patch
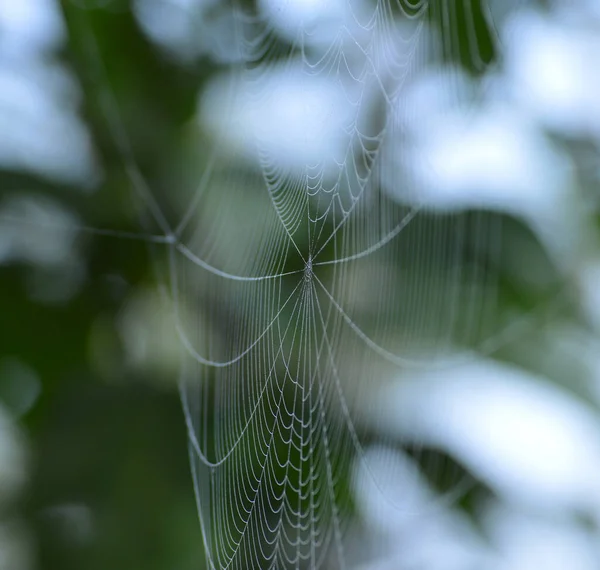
{"points": [[297, 119], [400, 508], [166, 22], [493, 158], [552, 70], [34, 115], [526, 543], [37, 97], [320, 19], [531, 442], [30, 26], [465, 156]]}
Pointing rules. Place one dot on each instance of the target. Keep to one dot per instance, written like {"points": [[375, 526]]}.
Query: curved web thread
{"points": [[300, 281], [325, 285]]}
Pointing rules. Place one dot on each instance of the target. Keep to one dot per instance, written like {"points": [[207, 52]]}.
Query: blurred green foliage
{"points": [[109, 482]]}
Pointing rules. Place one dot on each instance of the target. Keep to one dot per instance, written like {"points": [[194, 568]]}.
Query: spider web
{"points": [[306, 269]]}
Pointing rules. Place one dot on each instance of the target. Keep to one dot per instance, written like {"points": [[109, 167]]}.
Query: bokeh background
{"points": [[94, 468]]}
